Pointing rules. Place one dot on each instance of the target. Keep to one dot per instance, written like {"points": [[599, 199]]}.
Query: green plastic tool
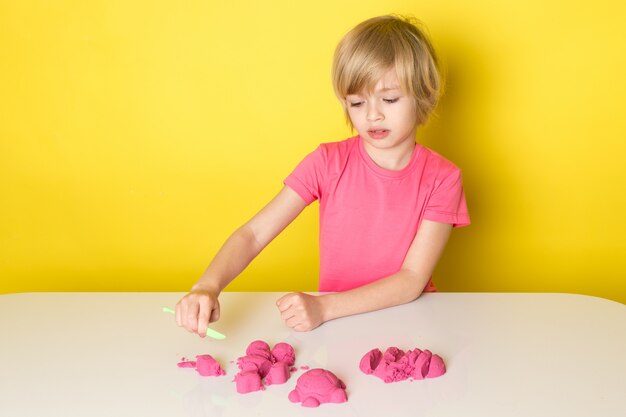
{"points": [[209, 332]]}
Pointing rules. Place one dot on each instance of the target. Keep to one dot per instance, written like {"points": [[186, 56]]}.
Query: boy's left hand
{"points": [[301, 312]]}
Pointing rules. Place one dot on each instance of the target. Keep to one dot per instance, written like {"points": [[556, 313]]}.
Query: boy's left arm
{"points": [[303, 312]]}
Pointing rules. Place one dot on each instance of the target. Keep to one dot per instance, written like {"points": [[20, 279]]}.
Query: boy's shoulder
{"points": [[436, 161], [336, 153], [339, 147]]}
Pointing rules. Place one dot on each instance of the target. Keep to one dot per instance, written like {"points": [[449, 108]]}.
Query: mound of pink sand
{"points": [[264, 365], [318, 386], [396, 365], [205, 365]]}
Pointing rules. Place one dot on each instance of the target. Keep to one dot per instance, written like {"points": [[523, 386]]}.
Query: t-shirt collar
{"points": [[387, 172]]}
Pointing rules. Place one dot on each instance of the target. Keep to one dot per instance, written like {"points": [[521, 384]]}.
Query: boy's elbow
{"points": [[247, 235], [415, 284]]}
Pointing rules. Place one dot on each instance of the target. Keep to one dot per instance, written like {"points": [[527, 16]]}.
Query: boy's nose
{"points": [[374, 114]]}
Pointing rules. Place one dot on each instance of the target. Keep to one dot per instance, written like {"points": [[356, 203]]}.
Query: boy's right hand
{"points": [[196, 310]]}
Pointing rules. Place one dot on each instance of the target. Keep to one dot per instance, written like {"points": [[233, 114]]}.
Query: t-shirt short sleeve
{"points": [[307, 178], [447, 202]]}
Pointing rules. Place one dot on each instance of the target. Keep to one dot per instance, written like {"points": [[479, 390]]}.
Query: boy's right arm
{"points": [[201, 306]]}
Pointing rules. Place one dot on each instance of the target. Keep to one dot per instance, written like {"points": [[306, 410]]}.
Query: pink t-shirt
{"points": [[369, 215]]}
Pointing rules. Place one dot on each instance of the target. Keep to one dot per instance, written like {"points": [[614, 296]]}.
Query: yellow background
{"points": [[136, 136]]}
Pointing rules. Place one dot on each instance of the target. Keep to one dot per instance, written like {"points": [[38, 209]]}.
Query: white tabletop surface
{"points": [[115, 354]]}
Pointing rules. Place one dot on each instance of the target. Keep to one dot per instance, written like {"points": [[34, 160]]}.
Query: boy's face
{"points": [[386, 119]]}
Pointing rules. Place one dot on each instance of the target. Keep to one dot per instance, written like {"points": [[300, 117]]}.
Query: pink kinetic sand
{"points": [[204, 364], [262, 364], [186, 364], [396, 365], [259, 348], [318, 386], [283, 352], [254, 363], [279, 374], [207, 366], [248, 381]]}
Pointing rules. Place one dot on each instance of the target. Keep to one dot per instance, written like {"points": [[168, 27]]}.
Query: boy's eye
{"points": [[386, 100]]}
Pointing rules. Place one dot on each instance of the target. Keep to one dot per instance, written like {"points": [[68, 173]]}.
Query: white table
{"points": [[115, 354]]}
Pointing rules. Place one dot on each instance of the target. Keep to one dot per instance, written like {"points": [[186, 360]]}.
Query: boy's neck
{"points": [[393, 159]]}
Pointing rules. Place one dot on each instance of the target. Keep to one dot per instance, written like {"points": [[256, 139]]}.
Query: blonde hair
{"points": [[379, 44]]}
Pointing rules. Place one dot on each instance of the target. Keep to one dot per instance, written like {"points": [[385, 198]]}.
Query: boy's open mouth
{"points": [[378, 133]]}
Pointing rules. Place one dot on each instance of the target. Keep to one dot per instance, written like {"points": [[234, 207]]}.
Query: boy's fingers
{"points": [[179, 321], [300, 328], [284, 302], [215, 314], [287, 314], [292, 322], [192, 317], [283, 298], [203, 318], [183, 315]]}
